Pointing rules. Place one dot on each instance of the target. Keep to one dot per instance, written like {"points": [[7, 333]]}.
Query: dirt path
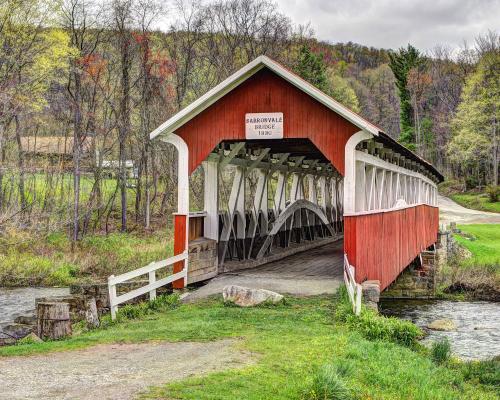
{"points": [[115, 371], [449, 211]]}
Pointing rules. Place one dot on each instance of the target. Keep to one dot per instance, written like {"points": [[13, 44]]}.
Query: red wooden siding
{"points": [[381, 245], [179, 246], [303, 116]]}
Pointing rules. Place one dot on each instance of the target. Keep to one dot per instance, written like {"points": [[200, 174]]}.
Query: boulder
{"points": [[246, 297], [17, 331], [442, 325], [32, 338], [6, 340], [26, 320]]}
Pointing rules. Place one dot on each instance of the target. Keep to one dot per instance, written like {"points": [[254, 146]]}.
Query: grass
{"points": [[476, 201], [26, 260], [301, 350], [441, 351], [484, 246]]}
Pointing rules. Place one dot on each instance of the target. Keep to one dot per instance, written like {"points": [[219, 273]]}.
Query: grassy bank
{"points": [[26, 260], [483, 241], [476, 201], [300, 347]]}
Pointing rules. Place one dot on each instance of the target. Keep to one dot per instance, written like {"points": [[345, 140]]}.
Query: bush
{"points": [[329, 384], [493, 193], [441, 351], [377, 327]]}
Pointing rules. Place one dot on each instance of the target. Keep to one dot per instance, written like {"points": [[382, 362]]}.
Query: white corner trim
{"points": [[182, 171], [350, 169], [243, 74]]}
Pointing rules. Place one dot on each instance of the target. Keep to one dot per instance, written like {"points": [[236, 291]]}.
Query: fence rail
{"points": [[150, 288], [353, 289]]}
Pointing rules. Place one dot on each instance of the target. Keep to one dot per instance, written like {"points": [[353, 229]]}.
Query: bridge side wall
{"points": [[380, 245]]}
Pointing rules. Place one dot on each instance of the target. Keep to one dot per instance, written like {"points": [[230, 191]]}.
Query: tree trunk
{"points": [[124, 126], [77, 137], [20, 164], [53, 320]]}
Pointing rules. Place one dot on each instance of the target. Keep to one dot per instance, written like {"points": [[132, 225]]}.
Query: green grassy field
{"points": [[485, 248], [26, 260], [476, 201], [292, 343]]}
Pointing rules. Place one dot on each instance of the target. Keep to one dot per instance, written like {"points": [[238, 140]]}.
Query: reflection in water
{"points": [[21, 301], [478, 323]]}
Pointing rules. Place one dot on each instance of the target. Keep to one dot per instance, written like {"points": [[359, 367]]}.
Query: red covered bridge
{"points": [[286, 169]]}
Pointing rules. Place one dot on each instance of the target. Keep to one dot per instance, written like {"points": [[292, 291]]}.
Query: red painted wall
{"points": [[303, 116], [380, 246], [179, 246]]}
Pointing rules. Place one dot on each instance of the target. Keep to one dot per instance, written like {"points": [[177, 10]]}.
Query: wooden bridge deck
{"points": [[313, 272]]}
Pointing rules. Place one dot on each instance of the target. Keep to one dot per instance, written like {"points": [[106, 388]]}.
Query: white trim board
{"points": [[242, 75]]}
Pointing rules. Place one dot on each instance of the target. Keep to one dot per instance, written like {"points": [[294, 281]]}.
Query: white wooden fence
{"points": [[353, 289], [154, 284]]}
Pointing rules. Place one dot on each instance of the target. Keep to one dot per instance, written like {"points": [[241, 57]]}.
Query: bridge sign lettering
{"points": [[264, 126]]}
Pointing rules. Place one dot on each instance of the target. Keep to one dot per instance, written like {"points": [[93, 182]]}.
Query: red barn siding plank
{"points": [[381, 245]]}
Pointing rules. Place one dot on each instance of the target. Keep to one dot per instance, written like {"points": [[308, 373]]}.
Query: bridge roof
{"points": [[261, 62]]}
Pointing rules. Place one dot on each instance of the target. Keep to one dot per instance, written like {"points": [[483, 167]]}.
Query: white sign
{"points": [[264, 126]]}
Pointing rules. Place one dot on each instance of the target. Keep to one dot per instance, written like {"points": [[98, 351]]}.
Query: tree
{"points": [[401, 63], [312, 68], [475, 125], [340, 89]]}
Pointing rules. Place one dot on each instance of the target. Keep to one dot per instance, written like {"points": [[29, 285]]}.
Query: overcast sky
{"points": [[393, 23]]}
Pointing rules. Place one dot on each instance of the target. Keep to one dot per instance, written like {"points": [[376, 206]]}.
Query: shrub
{"points": [[328, 384], [377, 327], [493, 193], [441, 351]]}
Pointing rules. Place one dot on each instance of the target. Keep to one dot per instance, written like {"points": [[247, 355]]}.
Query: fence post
{"points": [[112, 297], [152, 279], [359, 292]]}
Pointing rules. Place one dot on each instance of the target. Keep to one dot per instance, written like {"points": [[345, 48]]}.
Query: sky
{"points": [[393, 23]]}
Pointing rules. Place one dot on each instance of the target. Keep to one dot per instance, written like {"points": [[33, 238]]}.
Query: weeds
{"points": [[329, 384], [377, 327], [441, 351]]}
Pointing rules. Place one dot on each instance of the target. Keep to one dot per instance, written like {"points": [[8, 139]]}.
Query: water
{"points": [[21, 301], [477, 336]]}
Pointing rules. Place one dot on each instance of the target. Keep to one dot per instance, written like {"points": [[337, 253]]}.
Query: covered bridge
{"points": [[288, 169]]}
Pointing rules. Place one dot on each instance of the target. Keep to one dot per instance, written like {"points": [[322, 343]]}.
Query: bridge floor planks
{"points": [[309, 273]]}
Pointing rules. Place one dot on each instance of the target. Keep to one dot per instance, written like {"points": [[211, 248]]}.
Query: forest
{"points": [[83, 83]]}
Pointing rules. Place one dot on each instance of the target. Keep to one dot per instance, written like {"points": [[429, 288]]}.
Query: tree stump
{"points": [[91, 314], [53, 320]]}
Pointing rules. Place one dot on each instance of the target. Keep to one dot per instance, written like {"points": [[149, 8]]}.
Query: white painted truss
{"points": [[256, 200], [381, 180]]}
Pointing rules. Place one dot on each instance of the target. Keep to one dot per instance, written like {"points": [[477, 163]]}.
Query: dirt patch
{"points": [[114, 371]]}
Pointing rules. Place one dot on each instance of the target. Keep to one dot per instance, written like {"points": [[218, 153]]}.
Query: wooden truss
{"points": [[265, 200]]}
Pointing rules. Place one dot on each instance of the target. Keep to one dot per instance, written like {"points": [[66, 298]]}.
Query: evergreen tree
{"points": [[401, 63], [312, 68]]}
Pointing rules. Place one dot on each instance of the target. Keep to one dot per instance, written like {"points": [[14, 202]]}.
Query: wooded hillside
{"points": [[97, 78]]}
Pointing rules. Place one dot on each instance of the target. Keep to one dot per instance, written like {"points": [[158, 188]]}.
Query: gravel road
{"points": [[113, 371]]}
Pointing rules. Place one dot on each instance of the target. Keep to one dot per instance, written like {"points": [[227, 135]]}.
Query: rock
{"points": [[371, 291], [442, 325], [26, 320], [32, 338], [246, 297], [6, 340], [17, 331]]}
